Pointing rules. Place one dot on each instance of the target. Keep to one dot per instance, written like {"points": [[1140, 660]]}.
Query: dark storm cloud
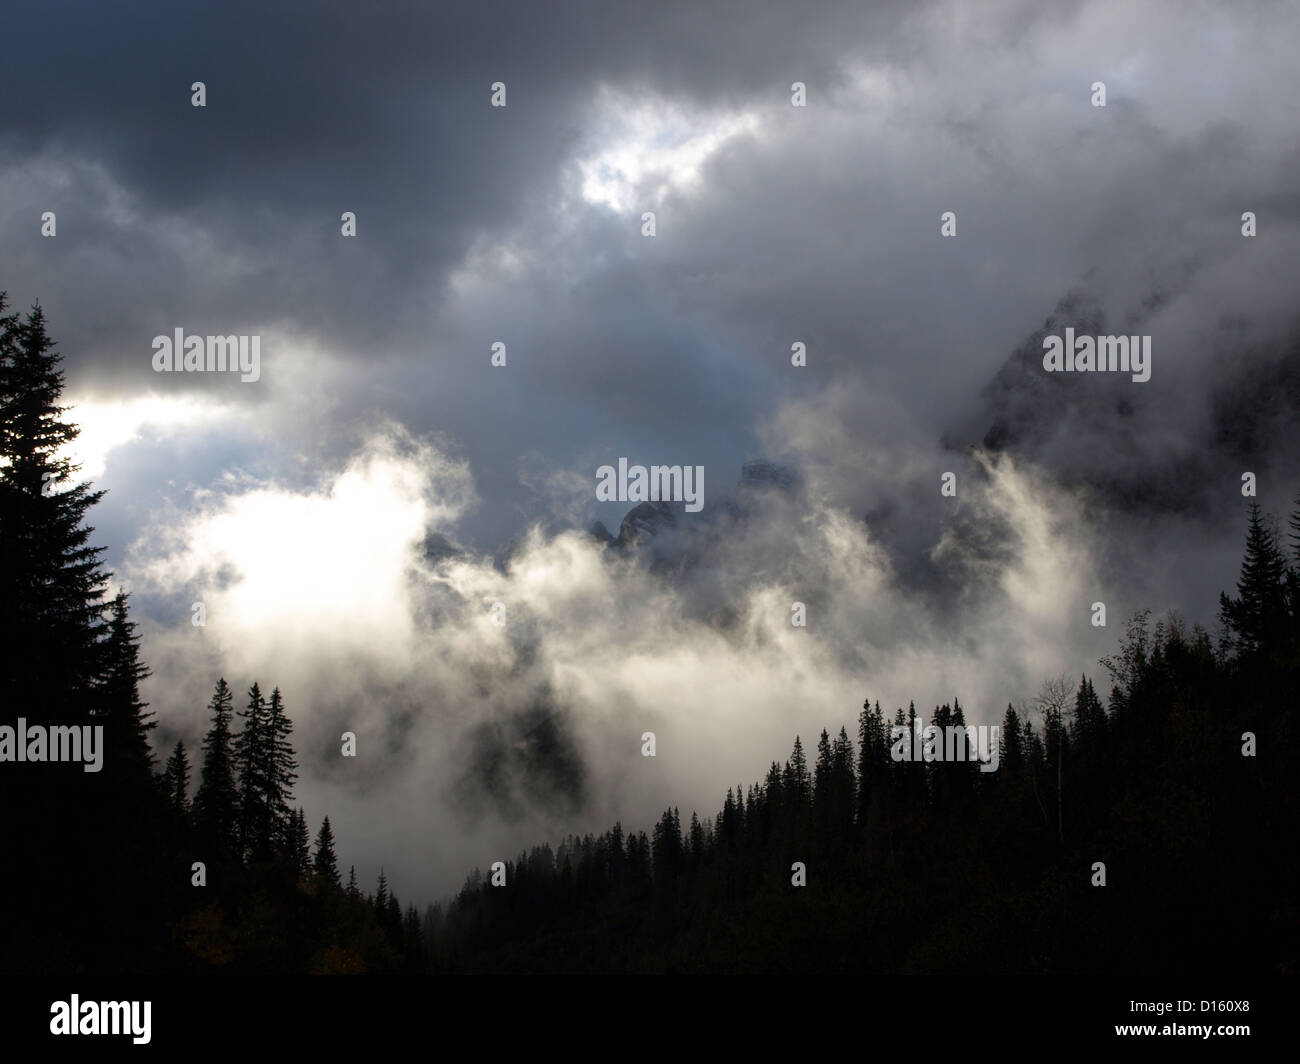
{"points": [[819, 225], [383, 111]]}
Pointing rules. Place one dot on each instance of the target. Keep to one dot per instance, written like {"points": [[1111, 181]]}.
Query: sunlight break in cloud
{"points": [[649, 147]]}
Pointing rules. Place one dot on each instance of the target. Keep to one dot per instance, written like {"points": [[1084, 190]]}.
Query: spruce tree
{"points": [[413, 941], [252, 760], [939, 773], [844, 785], [63, 663], [1011, 743], [250, 764], [216, 804], [774, 792], [822, 782], [176, 780], [299, 844], [1089, 723], [280, 769], [325, 864], [798, 780], [696, 839], [966, 775], [1257, 619], [900, 734], [913, 774], [52, 583], [666, 846], [391, 919], [117, 700], [617, 854], [873, 758]]}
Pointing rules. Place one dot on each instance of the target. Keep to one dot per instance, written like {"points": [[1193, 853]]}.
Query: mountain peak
{"points": [[760, 474]]}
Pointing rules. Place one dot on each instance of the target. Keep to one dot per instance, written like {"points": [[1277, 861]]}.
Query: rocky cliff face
{"points": [[645, 521], [652, 523], [1216, 404]]}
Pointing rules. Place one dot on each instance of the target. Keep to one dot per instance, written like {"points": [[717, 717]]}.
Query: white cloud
{"points": [[109, 423], [649, 147], [323, 592]]}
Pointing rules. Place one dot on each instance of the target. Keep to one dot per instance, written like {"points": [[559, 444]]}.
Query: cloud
{"points": [[297, 508], [476, 737]]}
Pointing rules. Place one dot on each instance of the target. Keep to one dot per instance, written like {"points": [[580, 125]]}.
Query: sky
{"points": [[298, 507]]}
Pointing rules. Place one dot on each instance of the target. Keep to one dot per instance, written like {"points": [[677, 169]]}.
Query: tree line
{"points": [[103, 866], [1180, 785], [1151, 832]]}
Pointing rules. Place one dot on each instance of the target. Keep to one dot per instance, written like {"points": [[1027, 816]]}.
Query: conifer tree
{"points": [[843, 774], [299, 848], [666, 846], [256, 826], [643, 866], [873, 758], [797, 779], [325, 863], [833, 785], [117, 700], [696, 839], [1011, 742], [391, 919], [51, 582], [64, 663], [773, 790], [966, 775], [1257, 619], [939, 772], [266, 764], [413, 941], [617, 854], [913, 780], [822, 768], [821, 788], [176, 780], [280, 768], [900, 732], [1089, 723], [216, 804], [726, 819]]}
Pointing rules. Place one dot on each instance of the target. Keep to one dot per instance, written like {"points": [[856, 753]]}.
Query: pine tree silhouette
{"points": [[325, 864], [1257, 619], [176, 780], [299, 844], [117, 700], [216, 804], [51, 581], [63, 664], [279, 771]]}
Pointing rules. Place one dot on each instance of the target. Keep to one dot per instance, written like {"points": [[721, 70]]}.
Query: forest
{"points": [[1150, 831]]}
